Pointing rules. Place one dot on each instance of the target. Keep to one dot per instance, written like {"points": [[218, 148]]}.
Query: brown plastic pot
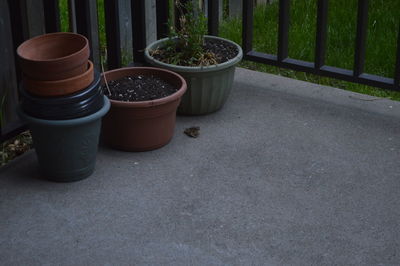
{"points": [[62, 87], [144, 125], [54, 56]]}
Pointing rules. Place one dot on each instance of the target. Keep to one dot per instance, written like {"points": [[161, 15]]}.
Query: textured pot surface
{"points": [[60, 87], [208, 87], [66, 149], [54, 56], [145, 125]]}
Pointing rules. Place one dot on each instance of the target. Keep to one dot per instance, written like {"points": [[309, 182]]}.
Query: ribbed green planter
{"points": [[208, 87], [66, 149]]}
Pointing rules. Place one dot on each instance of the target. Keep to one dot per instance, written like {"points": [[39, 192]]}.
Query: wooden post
{"points": [[8, 79], [87, 24], [151, 21], [235, 8], [72, 16], [33, 18], [220, 8], [125, 27]]}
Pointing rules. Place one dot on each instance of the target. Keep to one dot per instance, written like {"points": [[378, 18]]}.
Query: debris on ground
{"points": [[192, 132], [15, 147]]}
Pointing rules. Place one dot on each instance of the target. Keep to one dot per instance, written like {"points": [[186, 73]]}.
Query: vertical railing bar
{"points": [[247, 27], [7, 68], [51, 15], [213, 17], [111, 10], [24, 18], [86, 22], [361, 38], [17, 29], [322, 28], [72, 16], [162, 10], [82, 16], [283, 34], [397, 71], [138, 29]]}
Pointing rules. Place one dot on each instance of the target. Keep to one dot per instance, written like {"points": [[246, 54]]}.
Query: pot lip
{"points": [[142, 104], [67, 122], [27, 42], [190, 69]]}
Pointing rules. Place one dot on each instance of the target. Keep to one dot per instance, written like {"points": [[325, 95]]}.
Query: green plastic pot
{"points": [[66, 149], [208, 86]]}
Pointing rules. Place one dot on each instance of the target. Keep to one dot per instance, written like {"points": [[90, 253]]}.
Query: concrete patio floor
{"points": [[287, 173]]}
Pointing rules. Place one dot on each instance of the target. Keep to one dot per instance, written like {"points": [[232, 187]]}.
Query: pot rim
{"points": [[142, 104], [191, 69], [68, 122], [28, 42]]}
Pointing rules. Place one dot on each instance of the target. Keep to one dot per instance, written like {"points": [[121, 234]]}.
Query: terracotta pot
{"points": [[144, 125], [54, 56], [60, 87]]}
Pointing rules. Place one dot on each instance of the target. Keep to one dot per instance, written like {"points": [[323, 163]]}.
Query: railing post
{"points": [[150, 21], [111, 10], [162, 10], [247, 28], [51, 15], [235, 8], [213, 16], [17, 29], [322, 27], [283, 34], [72, 16], [397, 71], [32, 18], [138, 29], [362, 23], [86, 23], [10, 12]]}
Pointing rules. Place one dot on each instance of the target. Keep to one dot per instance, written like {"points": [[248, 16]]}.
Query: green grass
{"points": [[381, 41], [384, 18]]}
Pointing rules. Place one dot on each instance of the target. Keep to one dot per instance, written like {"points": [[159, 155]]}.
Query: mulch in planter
{"points": [[138, 88], [223, 50]]}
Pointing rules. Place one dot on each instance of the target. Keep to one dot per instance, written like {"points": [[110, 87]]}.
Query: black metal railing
{"points": [[318, 67], [85, 17]]}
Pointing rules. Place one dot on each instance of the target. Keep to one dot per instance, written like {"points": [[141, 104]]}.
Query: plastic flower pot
{"points": [[82, 103], [54, 56], [208, 86], [60, 87], [66, 149], [144, 125]]}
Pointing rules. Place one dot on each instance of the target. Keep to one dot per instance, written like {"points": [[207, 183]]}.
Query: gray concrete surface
{"points": [[287, 173]]}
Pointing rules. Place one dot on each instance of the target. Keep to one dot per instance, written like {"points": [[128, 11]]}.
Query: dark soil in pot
{"points": [[138, 88], [223, 51]]}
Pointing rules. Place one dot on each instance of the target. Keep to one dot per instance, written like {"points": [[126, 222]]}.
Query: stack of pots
{"points": [[62, 102]]}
